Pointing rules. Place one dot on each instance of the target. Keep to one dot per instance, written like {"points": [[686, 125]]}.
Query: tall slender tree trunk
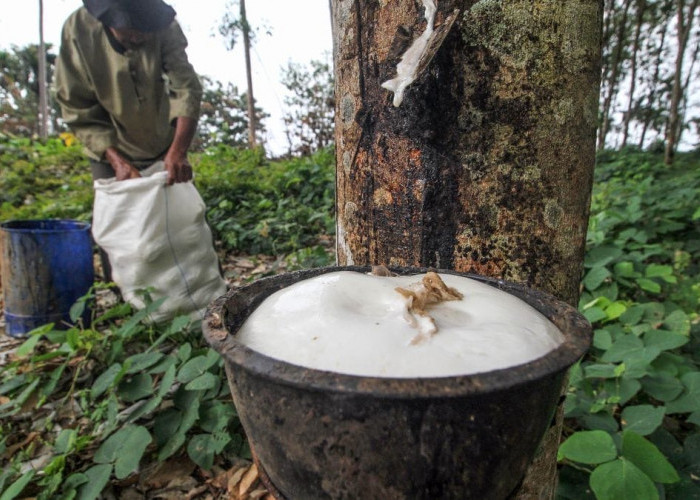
{"points": [[615, 72], [486, 166], [43, 95], [641, 8], [685, 24], [249, 77], [653, 85], [686, 85]]}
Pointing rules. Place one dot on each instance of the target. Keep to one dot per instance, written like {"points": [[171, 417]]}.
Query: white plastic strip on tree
{"points": [[406, 70]]}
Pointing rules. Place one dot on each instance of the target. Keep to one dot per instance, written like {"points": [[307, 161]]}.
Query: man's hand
{"points": [[179, 169], [122, 167]]}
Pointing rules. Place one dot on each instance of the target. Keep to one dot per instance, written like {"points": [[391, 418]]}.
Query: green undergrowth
{"points": [[43, 180], [633, 405], [254, 205], [258, 206], [88, 405]]}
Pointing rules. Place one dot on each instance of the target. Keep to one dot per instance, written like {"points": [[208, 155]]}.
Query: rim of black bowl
{"points": [[226, 314]]}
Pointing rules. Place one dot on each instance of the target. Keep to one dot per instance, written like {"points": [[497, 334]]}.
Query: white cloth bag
{"points": [[156, 237]]}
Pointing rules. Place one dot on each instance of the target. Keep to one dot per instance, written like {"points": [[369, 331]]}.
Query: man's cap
{"points": [[141, 15]]}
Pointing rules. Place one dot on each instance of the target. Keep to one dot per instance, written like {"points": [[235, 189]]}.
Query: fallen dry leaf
{"points": [[11, 450], [249, 479], [169, 474]]}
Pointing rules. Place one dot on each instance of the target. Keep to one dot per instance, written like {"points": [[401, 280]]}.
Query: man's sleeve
{"points": [[80, 109], [184, 85]]}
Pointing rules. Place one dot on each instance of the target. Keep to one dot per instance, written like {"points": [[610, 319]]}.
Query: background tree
{"points": [[309, 119], [19, 89], [224, 117], [231, 26], [649, 73], [685, 16]]}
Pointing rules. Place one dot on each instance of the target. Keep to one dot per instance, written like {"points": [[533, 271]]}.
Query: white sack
{"points": [[156, 237]]}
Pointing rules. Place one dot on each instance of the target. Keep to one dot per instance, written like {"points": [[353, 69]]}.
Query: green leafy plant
{"points": [[634, 401], [106, 396]]}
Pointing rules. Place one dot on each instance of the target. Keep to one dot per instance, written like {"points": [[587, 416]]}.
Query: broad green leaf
{"points": [[648, 285], [173, 444], [194, 368], [689, 401], [663, 387], [135, 443], [164, 365], [203, 447], [15, 489], [600, 422], [658, 271], [602, 339], [622, 348], [664, 340], [625, 270], [642, 419], [205, 381], [50, 385], [165, 424], [216, 416], [600, 371], [588, 447], [176, 326], [691, 449], [595, 277], [654, 311], [137, 387], [65, 442], [13, 383], [141, 361], [694, 418], [632, 315], [34, 337], [166, 382], [24, 395], [105, 380], [124, 449], [77, 310], [129, 328], [615, 310], [184, 352], [624, 388], [74, 480], [146, 408], [595, 314], [622, 480], [647, 457], [678, 322], [602, 255], [97, 477]]}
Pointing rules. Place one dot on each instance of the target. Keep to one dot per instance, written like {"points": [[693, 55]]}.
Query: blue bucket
{"points": [[46, 265]]}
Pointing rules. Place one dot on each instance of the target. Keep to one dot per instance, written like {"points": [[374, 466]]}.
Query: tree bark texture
{"points": [[487, 164]]}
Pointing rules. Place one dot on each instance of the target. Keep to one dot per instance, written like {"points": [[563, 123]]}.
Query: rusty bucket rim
{"points": [[576, 329]]}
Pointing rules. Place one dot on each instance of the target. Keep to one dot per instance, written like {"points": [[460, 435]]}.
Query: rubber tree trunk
{"points": [[486, 166]]}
